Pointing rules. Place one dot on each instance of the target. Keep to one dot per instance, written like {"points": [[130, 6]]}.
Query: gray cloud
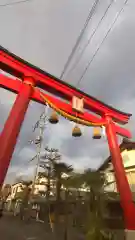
{"points": [[44, 35]]}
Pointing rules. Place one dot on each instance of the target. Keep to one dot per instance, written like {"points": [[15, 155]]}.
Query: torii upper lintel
{"points": [[18, 67]]}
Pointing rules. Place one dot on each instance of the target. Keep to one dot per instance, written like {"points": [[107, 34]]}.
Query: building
{"points": [[127, 149], [5, 191], [40, 186], [17, 191]]}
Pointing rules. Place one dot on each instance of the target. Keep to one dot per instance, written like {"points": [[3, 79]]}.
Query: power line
{"points": [[96, 52], [91, 37], [91, 13], [15, 3]]}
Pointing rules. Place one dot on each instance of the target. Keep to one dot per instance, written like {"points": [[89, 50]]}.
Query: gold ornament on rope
{"points": [[76, 132], [96, 133], [70, 117], [54, 118]]}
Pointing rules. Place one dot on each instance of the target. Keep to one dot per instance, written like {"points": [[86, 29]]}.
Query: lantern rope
{"points": [[70, 117]]}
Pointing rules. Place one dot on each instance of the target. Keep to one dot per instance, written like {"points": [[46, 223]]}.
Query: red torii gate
{"points": [[28, 80]]}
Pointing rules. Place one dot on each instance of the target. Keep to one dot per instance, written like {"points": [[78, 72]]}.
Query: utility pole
{"points": [[40, 124]]}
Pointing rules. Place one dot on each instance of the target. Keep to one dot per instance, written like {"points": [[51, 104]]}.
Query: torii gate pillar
{"points": [[12, 126], [121, 179]]}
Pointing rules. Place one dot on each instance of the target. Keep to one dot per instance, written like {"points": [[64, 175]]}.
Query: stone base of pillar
{"points": [[130, 234]]}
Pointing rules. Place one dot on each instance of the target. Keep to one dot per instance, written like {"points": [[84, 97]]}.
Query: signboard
{"points": [[78, 104]]}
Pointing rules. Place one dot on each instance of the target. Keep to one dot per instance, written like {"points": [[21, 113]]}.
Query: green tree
{"points": [[48, 159], [58, 170], [95, 182], [25, 196]]}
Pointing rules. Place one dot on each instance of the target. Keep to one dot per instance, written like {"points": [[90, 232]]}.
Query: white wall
{"points": [[128, 161], [15, 189]]}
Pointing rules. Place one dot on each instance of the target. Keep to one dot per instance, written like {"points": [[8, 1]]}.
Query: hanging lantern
{"points": [[96, 133], [76, 132], [54, 118]]}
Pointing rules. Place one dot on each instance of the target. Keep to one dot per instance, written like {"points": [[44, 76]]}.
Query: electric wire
{"points": [[15, 3], [105, 37], [91, 13], [91, 37]]}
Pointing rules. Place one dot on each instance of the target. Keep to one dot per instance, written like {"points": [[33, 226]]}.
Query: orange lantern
{"points": [[96, 133], [54, 118], [76, 132]]}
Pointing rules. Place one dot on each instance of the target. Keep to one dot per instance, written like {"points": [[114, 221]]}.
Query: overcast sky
{"points": [[43, 32]]}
